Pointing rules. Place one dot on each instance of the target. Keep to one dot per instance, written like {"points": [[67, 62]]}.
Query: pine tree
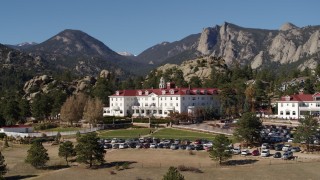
{"points": [[173, 174], [89, 150], [66, 150], [3, 166], [37, 155], [220, 148], [6, 144], [58, 137]]}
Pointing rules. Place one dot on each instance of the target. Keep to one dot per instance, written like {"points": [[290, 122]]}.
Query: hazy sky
{"points": [[135, 25]]}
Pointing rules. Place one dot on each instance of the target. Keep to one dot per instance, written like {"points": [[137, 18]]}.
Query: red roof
{"points": [[176, 91], [301, 97], [17, 126]]}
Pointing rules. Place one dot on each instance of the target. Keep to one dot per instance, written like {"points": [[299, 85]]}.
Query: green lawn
{"points": [[169, 133], [64, 129], [124, 133]]}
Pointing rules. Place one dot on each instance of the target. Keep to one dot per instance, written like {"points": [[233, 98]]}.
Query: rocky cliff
{"points": [[259, 47]]}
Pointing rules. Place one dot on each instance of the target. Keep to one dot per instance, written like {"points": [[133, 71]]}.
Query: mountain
{"points": [[126, 54], [16, 60], [17, 67], [22, 46], [176, 52], [81, 53], [260, 47]]}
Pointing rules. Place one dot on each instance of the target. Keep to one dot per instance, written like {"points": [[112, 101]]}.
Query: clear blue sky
{"points": [[135, 25]]}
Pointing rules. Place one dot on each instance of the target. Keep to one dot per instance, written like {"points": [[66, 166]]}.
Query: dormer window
{"points": [[117, 93], [146, 92], [287, 98], [140, 92], [163, 91], [205, 92], [171, 91], [198, 91]]}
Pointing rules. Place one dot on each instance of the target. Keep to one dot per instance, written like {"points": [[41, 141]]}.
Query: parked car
{"points": [[286, 147], [153, 145], [295, 149], [290, 140], [139, 145], [198, 147], [182, 146], [278, 147], [245, 152], [115, 146], [277, 155], [236, 150], [174, 146], [107, 146], [123, 145], [255, 152], [114, 140], [265, 153], [287, 155], [265, 146], [190, 147]]}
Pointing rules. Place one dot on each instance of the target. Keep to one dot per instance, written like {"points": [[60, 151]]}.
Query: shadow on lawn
{"points": [[239, 162], [117, 163], [20, 177], [56, 167]]}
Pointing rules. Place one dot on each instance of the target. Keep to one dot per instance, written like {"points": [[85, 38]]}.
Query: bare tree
{"points": [[93, 110], [72, 110]]}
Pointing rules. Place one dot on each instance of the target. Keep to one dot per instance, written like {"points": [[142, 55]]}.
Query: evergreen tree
{"points": [[195, 82], [306, 130], [89, 150], [25, 109], [3, 166], [220, 150], [37, 155], [41, 106], [58, 137], [6, 144], [173, 174], [66, 150], [248, 128], [11, 112]]}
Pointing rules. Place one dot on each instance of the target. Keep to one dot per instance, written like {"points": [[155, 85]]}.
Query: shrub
{"points": [[191, 169], [125, 165], [44, 126], [2, 135]]}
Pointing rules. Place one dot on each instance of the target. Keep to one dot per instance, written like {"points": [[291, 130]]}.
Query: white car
{"points": [[245, 152], [153, 145], [123, 145], [265, 153], [286, 147], [236, 150], [265, 146]]}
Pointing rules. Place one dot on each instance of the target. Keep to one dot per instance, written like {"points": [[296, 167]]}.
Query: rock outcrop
{"points": [[259, 47]]}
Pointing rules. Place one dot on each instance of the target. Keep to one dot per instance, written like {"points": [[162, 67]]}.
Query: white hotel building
{"points": [[298, 105], [160, 102]]}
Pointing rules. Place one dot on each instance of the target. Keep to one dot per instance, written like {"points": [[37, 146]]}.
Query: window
{"points": [[171, 91], [293, 105], [154, 111], [153, 99], [111, 104], [293, 113], [281, 104], [318, 104], [170, 98], [281, 112], [121, 112], [287, 112], [176, 104], [182, 98], [142, 111], [160, 111], [193, 98], [160, 104]]}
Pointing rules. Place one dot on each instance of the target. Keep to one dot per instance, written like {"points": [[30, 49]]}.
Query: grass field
{"points": [[64, 129], [125, 133], [169, 133]]}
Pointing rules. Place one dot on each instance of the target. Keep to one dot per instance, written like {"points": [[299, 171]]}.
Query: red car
{"points": [[255, 153]]}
